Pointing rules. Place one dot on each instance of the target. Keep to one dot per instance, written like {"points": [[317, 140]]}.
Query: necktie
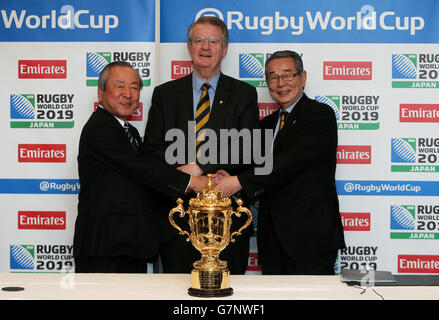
{"points": [[283, 117], [130, 135], [202, 115]]}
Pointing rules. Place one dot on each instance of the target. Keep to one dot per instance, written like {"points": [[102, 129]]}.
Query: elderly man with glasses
{"points": [[299, 224], [213, 101]]}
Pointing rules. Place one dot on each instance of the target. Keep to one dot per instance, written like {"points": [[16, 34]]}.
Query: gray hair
{"points": [[103, 76], [213, 21], [285, 54]]}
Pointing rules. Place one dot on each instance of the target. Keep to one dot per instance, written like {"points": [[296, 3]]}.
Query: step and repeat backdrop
{"points": [[376, 63]]}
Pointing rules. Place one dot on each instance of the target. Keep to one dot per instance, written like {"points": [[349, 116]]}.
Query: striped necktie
{"points": [[202, 115], [130, 135]]}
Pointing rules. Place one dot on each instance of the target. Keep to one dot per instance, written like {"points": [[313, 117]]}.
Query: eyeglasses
{"points": [[201, 40], [285, 77]]}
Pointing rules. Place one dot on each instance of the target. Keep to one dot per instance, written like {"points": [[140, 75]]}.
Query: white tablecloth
{"points": [[70, 286]]}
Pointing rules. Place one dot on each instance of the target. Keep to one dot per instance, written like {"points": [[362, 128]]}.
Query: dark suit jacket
{"points": [[115, 202], [234, 107], [300, 192]]}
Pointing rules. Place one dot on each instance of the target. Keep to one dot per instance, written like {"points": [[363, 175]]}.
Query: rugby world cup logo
{"points": [[41, 110], [414, 222], [404, 66], [403, 150], [22, 257], [251, 69], [354, 112], [415, 154], [251, 65], [402, 217], [22, 106], [419, 70], [96, 61]]}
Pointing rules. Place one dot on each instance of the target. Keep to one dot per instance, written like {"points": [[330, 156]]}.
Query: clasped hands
{"points": [[225, 183]]}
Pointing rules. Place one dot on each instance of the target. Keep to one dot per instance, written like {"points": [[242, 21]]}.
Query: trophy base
{"points": [[210, 283], [210, 293]]}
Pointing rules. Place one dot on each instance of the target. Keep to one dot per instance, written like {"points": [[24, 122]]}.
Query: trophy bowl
{"points": [[210, 220]]}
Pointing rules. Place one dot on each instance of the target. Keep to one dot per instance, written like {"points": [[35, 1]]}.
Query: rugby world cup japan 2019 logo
{"points": [[251, 68], [354, 112], [22, 106], [40, 258], [404, 66], [402, 217], [359, 257], [96, 61], [415, 154], [415, 70], [22, 257], [414, 222], [404, 150], [42, 111]]}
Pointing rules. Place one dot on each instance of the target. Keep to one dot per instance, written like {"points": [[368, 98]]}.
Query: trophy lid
{"points": [[209, 197]]}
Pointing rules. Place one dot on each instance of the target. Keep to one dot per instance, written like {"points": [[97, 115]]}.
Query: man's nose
{"points": [[205, 44], [126, 92], [280, 82]]}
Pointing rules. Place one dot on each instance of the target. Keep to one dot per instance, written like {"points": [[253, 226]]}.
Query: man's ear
{"points": [[100, 94], [225, 51]]}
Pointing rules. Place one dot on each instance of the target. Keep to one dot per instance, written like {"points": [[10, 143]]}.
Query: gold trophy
{"points": [[210, 219]]}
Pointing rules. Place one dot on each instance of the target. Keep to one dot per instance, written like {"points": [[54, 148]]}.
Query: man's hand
{"points": [[197, 183], [220, 174], [191, 168], [228, 185]]}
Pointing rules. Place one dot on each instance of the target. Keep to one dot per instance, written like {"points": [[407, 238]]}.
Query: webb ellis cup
{"points": [[210, 219]]}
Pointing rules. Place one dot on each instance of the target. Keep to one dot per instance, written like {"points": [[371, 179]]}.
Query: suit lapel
{"points": [[293, 118], [185, 100], [298, 111], [104, 114], [222, 94], [269, 122]]}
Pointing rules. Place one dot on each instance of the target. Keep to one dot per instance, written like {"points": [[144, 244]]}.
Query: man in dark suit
{"points": [[231, 104], [299, 226], [115, 229]]}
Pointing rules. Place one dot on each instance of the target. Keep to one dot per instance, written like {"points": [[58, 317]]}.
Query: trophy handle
{"points": [[179, 208], [238, 214]]}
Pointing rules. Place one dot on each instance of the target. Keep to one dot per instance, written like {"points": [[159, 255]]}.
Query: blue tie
{"points": [[130, 136]]}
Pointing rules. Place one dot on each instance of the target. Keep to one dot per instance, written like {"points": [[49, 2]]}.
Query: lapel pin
{"points": [[221, 101]]}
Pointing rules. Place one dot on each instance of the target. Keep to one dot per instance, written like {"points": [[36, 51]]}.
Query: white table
{"points": [[70, 286]]}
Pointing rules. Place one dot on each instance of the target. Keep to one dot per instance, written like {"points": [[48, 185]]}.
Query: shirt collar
{"points": [[122, 123], [198, 82], [291, 107]]}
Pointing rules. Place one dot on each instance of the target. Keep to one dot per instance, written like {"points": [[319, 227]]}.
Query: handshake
{"points": [[225, 183]]}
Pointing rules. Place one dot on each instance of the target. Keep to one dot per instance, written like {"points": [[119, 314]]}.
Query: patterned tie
{"points": [[283, 116], [202, 116], [130, 135]]}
